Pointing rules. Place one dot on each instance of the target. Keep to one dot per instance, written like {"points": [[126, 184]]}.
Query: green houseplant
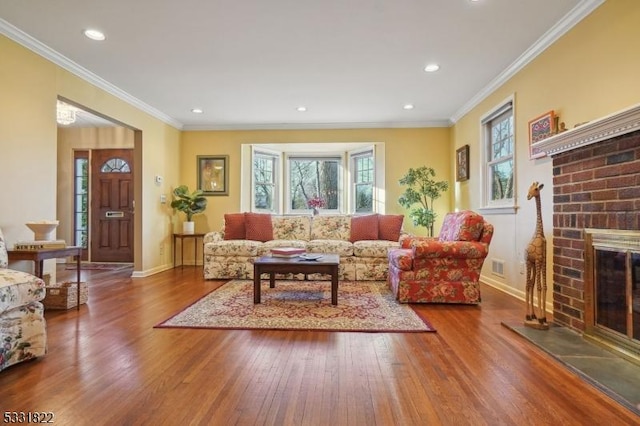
{"points": [[419, 195], [189, 203]]}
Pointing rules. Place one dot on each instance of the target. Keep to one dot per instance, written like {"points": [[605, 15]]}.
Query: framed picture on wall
{"points": [[462, 163], [213, 174], [540, 128]]}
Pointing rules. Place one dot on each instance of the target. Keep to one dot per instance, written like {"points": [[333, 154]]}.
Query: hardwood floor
{"points": [[108, 365]]}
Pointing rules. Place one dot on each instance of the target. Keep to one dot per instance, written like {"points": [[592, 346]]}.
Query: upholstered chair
{"points": [[23, 333], [445, 269]]}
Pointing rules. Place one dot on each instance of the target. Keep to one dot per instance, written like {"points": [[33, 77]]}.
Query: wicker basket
{"points": [[64, 295]]}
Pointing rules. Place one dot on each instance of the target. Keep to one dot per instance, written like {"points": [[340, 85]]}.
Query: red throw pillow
{"points": [[389, 226], [364, 228], [258, 226], [234, 228]]}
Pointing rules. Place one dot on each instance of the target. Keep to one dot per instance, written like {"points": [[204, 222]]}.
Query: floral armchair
{"points": [[23, 334], [445, 269]]}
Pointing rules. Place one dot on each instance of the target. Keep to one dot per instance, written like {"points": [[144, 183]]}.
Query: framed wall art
{"points": [[462, 163], [213, 174], [541, 128]]}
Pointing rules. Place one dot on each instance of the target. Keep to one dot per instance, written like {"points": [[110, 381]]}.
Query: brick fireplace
{"points": [[596, 180]]}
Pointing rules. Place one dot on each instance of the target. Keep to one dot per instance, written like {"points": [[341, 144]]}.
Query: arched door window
{"points": [[115, 165]]}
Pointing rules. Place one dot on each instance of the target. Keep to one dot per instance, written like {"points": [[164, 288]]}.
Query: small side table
{"points": [[40, 255], [195, 244]]}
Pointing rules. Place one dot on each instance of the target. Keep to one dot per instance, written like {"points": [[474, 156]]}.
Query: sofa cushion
{"points": [[341, 247], [377, 248], [266, 247], [364, 228], [234, 228], [291, 227], [461, 226], [19, 288], [233, 248], [258, 226], [389, 226], [331, 228]]}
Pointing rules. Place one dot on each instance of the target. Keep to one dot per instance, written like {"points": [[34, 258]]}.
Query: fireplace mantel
{"points": [[616, 124]]}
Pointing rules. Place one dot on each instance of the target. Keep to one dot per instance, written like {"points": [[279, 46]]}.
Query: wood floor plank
{"points": [[108, 365]]}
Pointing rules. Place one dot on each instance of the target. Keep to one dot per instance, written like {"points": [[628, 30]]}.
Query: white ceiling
{"points": [[250, 63]]}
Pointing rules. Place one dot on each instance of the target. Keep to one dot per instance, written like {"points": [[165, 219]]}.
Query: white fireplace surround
{"points": [[613, 125]]}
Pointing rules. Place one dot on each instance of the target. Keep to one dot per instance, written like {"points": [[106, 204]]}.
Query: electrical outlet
{"points": [[521, 268], [161, 249]]}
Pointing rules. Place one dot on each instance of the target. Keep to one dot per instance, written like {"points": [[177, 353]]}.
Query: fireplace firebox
{"points": [[612, 289]]}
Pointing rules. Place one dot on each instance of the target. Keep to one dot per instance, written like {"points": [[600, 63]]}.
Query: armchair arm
{"points": [[454, 249], [407, 240], [212, 237]]}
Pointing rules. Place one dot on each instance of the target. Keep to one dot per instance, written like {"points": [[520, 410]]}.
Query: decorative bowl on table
{"points": [[43, 229]]}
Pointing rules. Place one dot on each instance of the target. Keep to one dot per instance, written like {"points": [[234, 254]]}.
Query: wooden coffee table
{"points": [[327, 264]]}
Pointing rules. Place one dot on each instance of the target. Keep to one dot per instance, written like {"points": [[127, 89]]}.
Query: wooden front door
{"points": [[112, 205]]}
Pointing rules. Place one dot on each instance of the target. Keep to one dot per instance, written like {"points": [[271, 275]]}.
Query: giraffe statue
{"points": [[536, 261]]}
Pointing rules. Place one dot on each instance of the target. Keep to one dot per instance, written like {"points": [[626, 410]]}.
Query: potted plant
{"points": [[421, 191], [190, 203]]}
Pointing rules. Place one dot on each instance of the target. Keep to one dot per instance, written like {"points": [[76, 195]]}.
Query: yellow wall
{"points": [[404, 148], [590, 72], [30, 86]]}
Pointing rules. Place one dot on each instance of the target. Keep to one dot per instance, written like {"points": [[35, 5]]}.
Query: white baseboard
{"points": [[518, 294], [152, 271]]}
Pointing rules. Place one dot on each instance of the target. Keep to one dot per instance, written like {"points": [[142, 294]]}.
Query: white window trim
{"points": [[488, 206], [246, 174], [277, 194], [351, 188], [286, 184]]}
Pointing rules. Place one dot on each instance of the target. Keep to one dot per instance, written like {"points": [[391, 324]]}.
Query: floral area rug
{"points": [[367, 306]]}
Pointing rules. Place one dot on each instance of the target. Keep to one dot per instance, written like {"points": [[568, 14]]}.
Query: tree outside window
{"points": [[264, 166], [364, 174], [337, 180], [311, 178], [500, 164]]}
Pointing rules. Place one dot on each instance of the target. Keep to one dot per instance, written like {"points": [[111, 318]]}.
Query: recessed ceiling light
{"points": [[94, 35], [301, 109], [408, 106], [432, 68], [197, 110]]}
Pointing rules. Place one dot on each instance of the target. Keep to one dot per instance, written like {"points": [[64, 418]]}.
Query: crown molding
{"points": [[48, 53], [319, 126], [610, 126], [578, 13], [571, 19]]}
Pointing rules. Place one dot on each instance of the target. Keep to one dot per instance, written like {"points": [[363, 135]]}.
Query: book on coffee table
{"points": [[287, 251]]}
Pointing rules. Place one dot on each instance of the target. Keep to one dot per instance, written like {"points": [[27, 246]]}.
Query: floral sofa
{"points": [[445, 269], [361, 241], [23, 333]]}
